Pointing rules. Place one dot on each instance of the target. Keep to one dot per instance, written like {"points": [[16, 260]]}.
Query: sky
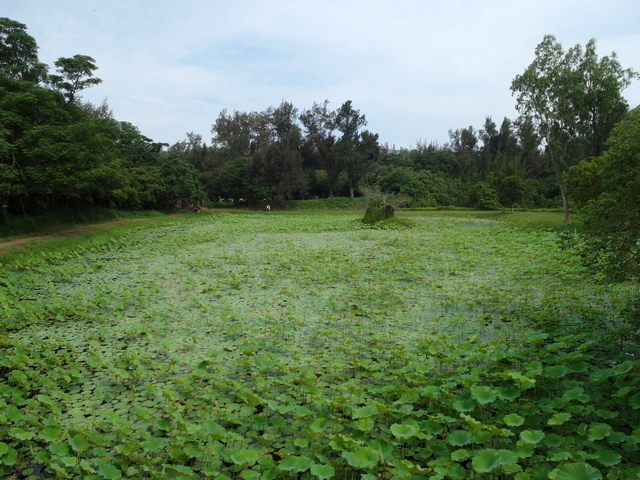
{"points": [[415, 68]]}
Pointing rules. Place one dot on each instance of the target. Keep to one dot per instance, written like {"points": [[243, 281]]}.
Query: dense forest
{"points": [[58, 150]]}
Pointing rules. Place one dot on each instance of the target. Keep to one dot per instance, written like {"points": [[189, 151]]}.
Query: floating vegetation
{"points": [[308, 346]]}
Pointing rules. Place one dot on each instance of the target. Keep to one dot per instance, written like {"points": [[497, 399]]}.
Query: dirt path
{"points": [[20, 241]]}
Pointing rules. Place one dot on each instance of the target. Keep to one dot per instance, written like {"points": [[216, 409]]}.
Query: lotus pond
{"points": [[307, 346]]}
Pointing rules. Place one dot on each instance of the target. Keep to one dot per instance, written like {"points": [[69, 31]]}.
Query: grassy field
{"points": [[304, 345]]}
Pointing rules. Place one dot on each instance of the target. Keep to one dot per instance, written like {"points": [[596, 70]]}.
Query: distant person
{"points": [[268, 208]]}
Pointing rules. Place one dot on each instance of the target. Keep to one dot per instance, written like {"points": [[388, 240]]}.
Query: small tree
{"points": [[511, 190], [381, 205], [573, 99], [484, 197]]}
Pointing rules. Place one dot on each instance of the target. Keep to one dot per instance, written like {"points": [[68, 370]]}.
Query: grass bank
{"points": [[58, 219]]}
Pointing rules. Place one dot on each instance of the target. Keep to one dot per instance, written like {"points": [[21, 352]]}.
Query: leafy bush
{"points": [[484, 197]]}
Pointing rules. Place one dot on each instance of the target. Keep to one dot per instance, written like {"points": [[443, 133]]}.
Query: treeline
{"points": [[284, 153], [56, 150]]}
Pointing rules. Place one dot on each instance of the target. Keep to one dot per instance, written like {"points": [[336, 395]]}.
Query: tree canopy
{"points": [[574, 99], [608, 186], [57, 150]]}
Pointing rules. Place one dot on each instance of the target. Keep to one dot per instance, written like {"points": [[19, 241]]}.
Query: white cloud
{"points": [[415, 68]]}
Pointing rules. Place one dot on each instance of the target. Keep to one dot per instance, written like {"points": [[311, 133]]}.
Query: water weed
{"points": [[309, 346]]}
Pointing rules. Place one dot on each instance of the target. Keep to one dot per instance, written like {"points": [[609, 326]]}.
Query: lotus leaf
{"points": [[532, 436], [575, 471], [323, 471]]}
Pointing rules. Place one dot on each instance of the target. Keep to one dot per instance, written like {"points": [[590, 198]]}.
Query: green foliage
{"points": [[55, 152], [333, 203], [484, 197], [609, 187], [573, 99], [381, 206], [271, 345], [234, 181], [374, 212], [58, 220], [74, 75], [511, 190], [19, 53]]}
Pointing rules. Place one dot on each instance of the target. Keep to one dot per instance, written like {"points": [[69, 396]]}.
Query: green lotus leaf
{"points": [[607, 457], [459, 438], [559, 418], [153, 444], [483, 394], [364, 424], [384, 449], [301, 442], [513, 420], [553, 440], [507, 457], [4, 448], [362, 457], [323, 471], [486, 460], [598, 431], [465, 405], [460, 455], [21, 433], [215, 430], [575, 471], [192, 451], [573, 393], [51, 434], [634, 401], [403, 430], [245, 456], [13, 413], [531, 436], [69, 461], [20, 377], [107, 469], [508, 393], [405, 468], [319, 424], [164, 424], [624, 367], [295, 463], [556, 371], [364, 412], [10, 457], [430, 391], [481, 436], [606, 414], [616, 437]]}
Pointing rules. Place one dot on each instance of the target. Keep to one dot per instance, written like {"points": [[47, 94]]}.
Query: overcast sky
{"points": [[415, 69]]}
